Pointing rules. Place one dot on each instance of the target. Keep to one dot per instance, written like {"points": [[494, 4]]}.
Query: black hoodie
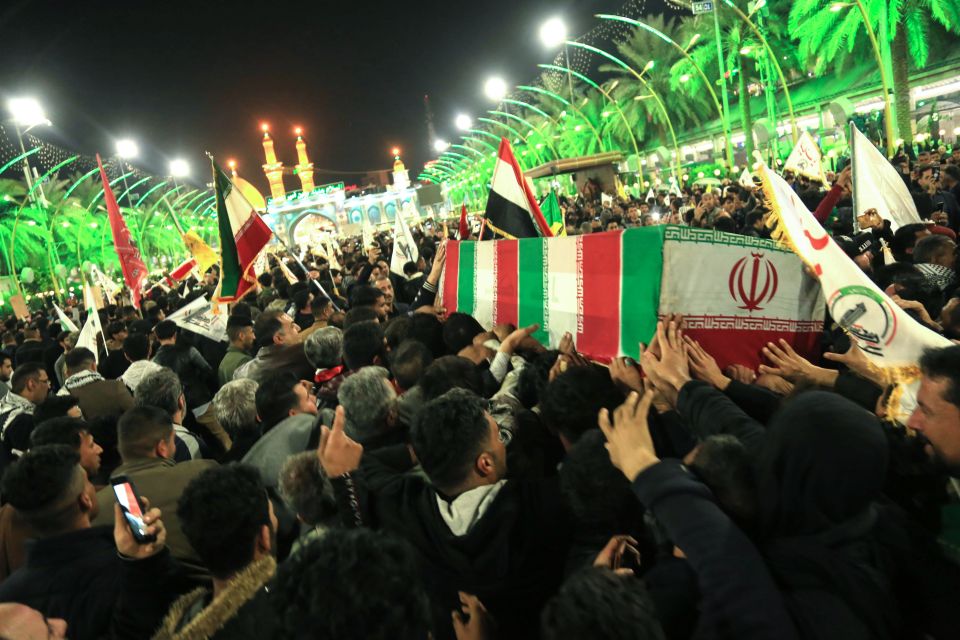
{"points": [[512, 558]]}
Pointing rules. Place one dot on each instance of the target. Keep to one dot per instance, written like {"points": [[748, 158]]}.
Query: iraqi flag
{"points": [[134, 270], [608, 289], [243, 234], [512, 210]]}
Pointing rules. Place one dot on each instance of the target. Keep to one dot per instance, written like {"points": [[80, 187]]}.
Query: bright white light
{"points": [[179, 168], [496, 88], [27, 112], [463, 122], [553, 33], [127, 148], [440, 145], [838, 6]]}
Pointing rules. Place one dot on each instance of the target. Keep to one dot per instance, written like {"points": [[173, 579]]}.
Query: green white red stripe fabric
{"points": [[608, 289], [243, 234]]}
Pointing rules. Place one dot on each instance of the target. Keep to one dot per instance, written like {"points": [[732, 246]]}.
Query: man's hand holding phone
{"points": [[123, 536]]}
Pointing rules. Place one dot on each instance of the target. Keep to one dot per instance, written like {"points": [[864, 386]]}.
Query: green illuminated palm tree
{"points": [[639, 50], [831, 34], [743, 58]]}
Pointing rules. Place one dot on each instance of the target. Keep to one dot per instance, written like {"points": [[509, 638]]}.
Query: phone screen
{"points": [[130, 505]]}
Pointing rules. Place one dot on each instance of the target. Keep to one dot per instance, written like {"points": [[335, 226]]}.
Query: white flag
{"points": [[65, 322], [106, 284], [331, 250], [746, 179], [368, 240], [200, 317], [404, 248], [890, 338], [877, 185], [88, 334], [650, 196], [805, 159]]}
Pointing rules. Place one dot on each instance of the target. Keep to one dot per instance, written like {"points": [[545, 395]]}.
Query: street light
{"points": [[463, 122], [495, 88], [127, 148], [440, 145], [27, 112], [179, 168], [553, 33]]}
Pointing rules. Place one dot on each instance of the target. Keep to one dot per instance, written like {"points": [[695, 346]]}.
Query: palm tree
{"points": [[647, 53], [829, 37]]}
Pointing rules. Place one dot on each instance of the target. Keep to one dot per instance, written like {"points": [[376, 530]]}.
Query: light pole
{"points": [[884, 64], [126, 149], [27, 113]]}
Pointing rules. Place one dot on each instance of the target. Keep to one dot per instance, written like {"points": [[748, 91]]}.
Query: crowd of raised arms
{"points": [[357, 462]]}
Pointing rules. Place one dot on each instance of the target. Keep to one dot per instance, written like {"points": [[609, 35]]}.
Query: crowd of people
{"points": [[357, 462]]}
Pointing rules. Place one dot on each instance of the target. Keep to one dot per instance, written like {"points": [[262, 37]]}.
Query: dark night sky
{"points": [[184, 77]]}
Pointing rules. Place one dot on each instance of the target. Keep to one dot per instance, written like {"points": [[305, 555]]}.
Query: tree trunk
{"points": [[900, 57], [746, 118]]}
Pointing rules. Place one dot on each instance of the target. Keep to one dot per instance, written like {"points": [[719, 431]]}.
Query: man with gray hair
{"points": [[370, 404], [324, 350], [162, 389], [235, 407], [308, 492]]}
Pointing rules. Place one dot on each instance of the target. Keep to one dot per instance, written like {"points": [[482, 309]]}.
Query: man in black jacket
{"points": [[73, 571], [473, 529], [230, 521]]}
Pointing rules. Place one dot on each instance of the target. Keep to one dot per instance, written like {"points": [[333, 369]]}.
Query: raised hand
{"points": [[338, 453], [517, 337], [613, 554], [626, 375], [127, 545], [741, 373], [628, 435], [472, 622], [790, 365], [704, 366], [856, 360]]}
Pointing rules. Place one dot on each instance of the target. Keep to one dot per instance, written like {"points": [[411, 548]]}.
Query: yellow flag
{"points": [[201, 251]]}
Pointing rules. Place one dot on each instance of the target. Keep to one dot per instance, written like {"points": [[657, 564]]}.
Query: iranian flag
{"points": [[609, 289], [243, 234]]}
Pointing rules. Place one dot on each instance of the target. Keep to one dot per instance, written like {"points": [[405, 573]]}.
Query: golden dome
{"points": [[398, 165], [250, 192]]}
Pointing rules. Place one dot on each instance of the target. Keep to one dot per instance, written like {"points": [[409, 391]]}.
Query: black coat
{"points": [[29, 351], [79, 577], [195, 373], [512, 558]]}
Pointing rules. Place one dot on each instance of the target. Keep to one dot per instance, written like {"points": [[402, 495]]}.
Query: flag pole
{"points": [[853, 177], [302, 266]]}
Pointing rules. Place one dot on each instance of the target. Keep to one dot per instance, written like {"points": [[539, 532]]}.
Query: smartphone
{"points": [[126, 495]]}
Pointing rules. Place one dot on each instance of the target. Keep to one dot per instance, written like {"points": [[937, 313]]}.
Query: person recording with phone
{"points": [[77, 572]]}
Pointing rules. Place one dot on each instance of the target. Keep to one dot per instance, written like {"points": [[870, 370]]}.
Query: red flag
{"points": [[134, 270], [181, 272], [464, 226]]}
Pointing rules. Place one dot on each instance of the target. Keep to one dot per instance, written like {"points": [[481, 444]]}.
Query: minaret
{"points": [[273, 169], [304, 166], [401, 179]]}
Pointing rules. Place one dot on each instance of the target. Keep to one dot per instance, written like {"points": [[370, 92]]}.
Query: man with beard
{"points": [[937, 416], [6, 371]]}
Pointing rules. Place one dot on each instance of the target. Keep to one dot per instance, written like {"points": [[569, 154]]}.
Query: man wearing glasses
{"points": [[29, 386]]}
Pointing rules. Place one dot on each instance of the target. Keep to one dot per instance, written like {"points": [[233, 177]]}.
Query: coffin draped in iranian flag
{"points": [[607, 289]]}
